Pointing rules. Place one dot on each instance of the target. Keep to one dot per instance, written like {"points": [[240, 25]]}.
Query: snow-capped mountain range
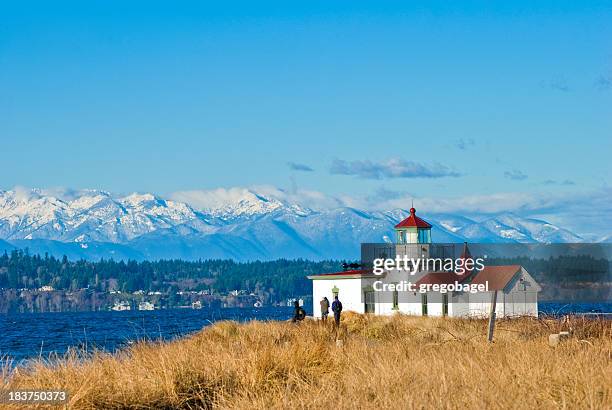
{"points": [[93, 224]]}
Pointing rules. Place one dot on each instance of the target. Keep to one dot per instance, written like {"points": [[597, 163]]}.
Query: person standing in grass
{"points": [[299, 313], [337, 308], [324, 308]]}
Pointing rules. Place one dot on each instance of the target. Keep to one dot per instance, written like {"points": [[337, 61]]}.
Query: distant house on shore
{"points": [[146, 305], [121, 306], [359, 289]]}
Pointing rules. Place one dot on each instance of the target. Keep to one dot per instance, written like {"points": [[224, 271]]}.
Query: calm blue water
{"points": [[564, 308], [30, 335]]}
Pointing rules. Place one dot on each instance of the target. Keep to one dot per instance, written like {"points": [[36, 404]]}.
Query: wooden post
{"points": [[492, 315]]}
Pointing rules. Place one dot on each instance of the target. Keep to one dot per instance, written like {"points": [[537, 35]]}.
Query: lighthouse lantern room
{"points": [[413, 230]]}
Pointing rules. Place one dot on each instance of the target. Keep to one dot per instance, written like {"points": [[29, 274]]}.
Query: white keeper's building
{"points": [[517, 291]]}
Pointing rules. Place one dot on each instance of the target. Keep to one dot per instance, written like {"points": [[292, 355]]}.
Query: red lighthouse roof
{"points": [[413, 221]]}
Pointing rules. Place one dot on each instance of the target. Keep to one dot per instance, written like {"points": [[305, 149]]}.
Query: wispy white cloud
{"points": [[220, 197], [604, 82], [565, 182], [23, 193], [559, 84], [305, 197], [515, 175], [464, 143], [294, 166], [211, 198], [469, 204], [391, 168]]}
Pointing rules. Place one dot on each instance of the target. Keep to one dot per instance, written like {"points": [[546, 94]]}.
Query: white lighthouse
{"points": [[357, 289]]}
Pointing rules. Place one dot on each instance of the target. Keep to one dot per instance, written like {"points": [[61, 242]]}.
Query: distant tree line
{"points": [[578, 277], [277, 279], [273, 280], [561, 269]]}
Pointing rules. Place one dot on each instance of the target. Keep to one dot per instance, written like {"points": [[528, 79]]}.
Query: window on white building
{"points": [[370, 301]]}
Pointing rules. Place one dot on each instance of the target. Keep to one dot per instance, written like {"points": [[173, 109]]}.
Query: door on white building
{"points": [[368, 297]]}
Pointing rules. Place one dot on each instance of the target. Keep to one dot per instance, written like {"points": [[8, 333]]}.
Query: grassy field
{"points": [[383, 362]]}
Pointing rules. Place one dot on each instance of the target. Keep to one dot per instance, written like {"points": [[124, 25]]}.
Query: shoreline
{"points": [[29, 336]]}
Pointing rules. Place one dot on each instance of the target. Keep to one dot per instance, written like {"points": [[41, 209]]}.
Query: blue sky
{"points": [[447, 102]]}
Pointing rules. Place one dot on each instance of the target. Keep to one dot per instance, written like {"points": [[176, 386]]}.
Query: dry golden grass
{"points": [[385, 362]]}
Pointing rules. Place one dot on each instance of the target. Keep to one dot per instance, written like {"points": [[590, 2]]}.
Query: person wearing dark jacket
{"points": [[299, 313], [337, 309]]}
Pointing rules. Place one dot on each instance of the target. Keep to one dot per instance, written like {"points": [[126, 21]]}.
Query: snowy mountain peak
{"points": [[86, 216], [512, 226], [238, 223], [137, 199], [241, 204]]}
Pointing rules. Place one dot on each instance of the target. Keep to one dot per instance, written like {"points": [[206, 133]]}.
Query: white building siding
{"points": [[460, 305], [518, 299], [515, 303], [349, 293]]}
